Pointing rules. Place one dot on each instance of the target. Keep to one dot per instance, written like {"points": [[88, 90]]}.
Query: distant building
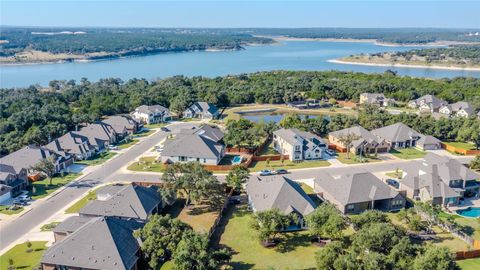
{"points": [[100, 135], [366, 142], [355, 193], [397, 135], [74, 144], [427, 103], [202, 110], [278, 192], [152, 114], [298, 145], [123, 125], [376, 99], [459, 109]]}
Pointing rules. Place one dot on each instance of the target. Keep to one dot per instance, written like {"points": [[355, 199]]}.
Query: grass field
{"points": [[354, 159], [153, 126], [21, 258], [268, 150], [471, 264], [48, 227], [470, 226], [461, 145], [126, 144], [4, 209], [98, 159], [408, 153], [91, 195], [147, 164], [287, 164], [43, 188], [144, 133]]}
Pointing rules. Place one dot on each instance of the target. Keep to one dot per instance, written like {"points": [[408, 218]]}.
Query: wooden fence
{"points": [[220, 215], [461, 151]]}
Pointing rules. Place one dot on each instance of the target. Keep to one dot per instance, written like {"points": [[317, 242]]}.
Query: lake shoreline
{"points": [[339, 61]]}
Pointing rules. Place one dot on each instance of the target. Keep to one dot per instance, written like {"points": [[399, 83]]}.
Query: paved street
{"points": [[107, 172]]}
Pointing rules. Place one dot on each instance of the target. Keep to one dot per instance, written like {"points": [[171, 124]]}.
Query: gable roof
{"points": [[365, 135], [432, 182], [278, 192], [374, 97], [152, 109], [102, 243], [354, 188], [120, 122], [395, 133], [27, 157], [212, 132], [71, 224], [72, 143], [190, 144], [97, 133], [203, 107], [128, 201], [432, 101], [467, 107], [295, 136], [427, 139]]}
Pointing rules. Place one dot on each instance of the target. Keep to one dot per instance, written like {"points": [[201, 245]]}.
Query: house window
{"points": [[198, 159], [204, 160], [297, 148], [397, 203], [350, 207], [183, 158]]}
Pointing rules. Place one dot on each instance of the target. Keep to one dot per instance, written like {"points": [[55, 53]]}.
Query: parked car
{"points": [[281, 171], [330, 152], [393, 183], [266, 173], [164, 129], [113, 147]]}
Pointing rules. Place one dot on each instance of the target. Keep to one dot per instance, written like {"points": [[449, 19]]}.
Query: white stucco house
{"points": [[298, 145], [201, 110], [151, 114]]}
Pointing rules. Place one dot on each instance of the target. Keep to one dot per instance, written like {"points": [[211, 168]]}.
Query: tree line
{"points": [[36, 115]]}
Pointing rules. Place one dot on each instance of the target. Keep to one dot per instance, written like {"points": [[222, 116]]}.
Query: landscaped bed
{"points": [[97, 159], [354, 159], [43, 188], [10, 210], [408, 153], [21, 258], [147, 164], [287, 164], [49, 226]]}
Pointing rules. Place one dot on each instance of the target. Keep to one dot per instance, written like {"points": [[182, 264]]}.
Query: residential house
{"points": [[397, 135], [376, 99], [427, 103], [459, 109], [5, 193], [427, 142], [100, 135], [69, 226], [278, 192], [201, 110], [152, 114], [366, 142], [193, 145], [212, 132], [298, 145], [73, 144], [13, 180], [355, 193], [124, 201], [123, 125], [105, 243], [439, 179]]}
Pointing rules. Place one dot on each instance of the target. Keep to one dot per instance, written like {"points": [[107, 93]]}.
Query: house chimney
{"points": [[435, 169], [416, 181]]}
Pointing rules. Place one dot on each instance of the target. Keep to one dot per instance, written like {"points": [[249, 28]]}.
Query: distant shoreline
{"points": [[339, 61]]}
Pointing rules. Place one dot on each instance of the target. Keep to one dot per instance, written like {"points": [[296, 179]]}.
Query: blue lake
{"points": [[288, 55]]}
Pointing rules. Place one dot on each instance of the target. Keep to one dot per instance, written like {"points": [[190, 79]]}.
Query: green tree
{"points": [[326, 257], [347, 141], [237, 176], [269, 223], [326, 221], [191, 179], [377, 237], [46, 166], [369, 217], [160, 237], [435, 258], [402, 254], [475, 163]]}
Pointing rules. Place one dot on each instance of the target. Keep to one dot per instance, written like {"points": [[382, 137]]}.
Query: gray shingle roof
{"points": [[365, 135], [278, 192], [374, 97], [190, 144], [27, 157], [398, 132], [102, 243], [120, 122], [98, 133], [462, 105], [72, 143], [151, 109], [128, 201], [432, 100], [431, 181], [71, 224], [201, 107], [354, 188], [427, 139], [296, 136], [212, 132]]}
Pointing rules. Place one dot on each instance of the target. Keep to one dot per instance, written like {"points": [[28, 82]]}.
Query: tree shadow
{"points": [[293, 240]]}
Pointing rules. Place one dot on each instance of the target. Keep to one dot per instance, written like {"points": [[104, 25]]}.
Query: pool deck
{"points": [[470, 202]]}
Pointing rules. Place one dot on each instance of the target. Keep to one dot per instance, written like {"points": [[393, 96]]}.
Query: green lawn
{"points": [[470, 264], [49, 226], [157, 125], [293, 252], [353, 159], [394, 174], [461, 145], [4, 209], [287, 164], [168, 265], [268, 150], [126, 144], [21, 258], [470, 226], [91, 195], [147, 164], [408, 153], [98, 159], [43, 188], [144, 133]]}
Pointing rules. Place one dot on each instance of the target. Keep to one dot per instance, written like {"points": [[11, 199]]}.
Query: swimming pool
{"points": [[472, 212], [237, 160]]}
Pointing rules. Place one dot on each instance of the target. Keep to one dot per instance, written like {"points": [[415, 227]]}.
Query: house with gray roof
{"points": [[201, 110], [14, 179], [73, 144], [378, 99], [105, 243], [439, 179], [366, 142], [68, 226], [212, 132], [397, 135], [100, 135], [123, 125], [358, 192], [152, 114], [299, 145], [459, 109], [193, 145], [427, 104], [124, 201], [278, 192], [427, 142]]}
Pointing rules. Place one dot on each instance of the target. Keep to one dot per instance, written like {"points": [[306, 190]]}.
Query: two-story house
{"points": [[458, 109], [427, 104], [299, 145], [201, 110], [152, 114]]}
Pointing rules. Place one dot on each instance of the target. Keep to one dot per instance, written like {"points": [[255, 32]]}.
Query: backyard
{"points": [[461, 145], [97, 159], [471, 226], [43, 188], [408, 153], [287, 164], [354, 159], [22, 259], [470, 264]]}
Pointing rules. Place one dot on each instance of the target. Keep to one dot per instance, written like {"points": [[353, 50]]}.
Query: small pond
{"points": [[276, 117], [471, 212]]}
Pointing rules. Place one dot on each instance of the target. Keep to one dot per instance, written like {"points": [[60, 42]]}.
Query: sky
{"points": [[230, 13]]}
